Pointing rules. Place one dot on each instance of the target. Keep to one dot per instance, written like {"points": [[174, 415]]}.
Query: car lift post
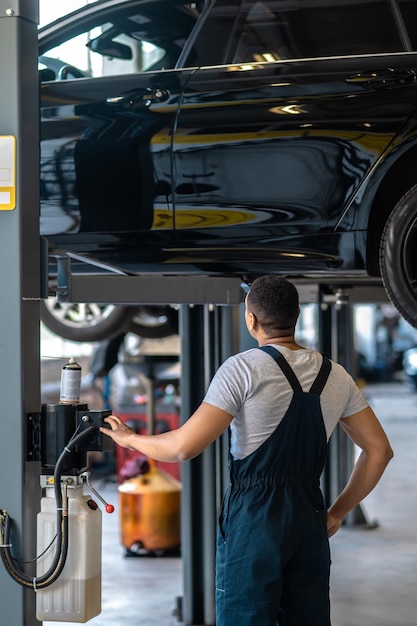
{"points": [[207, 340], [20, 289], [337, 341]]}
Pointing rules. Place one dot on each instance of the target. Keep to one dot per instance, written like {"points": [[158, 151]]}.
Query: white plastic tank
{"points": [[76, 595]]}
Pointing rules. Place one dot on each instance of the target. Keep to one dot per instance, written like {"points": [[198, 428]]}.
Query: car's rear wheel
{"points": [[154, 322], [398, 256], [86, 321], [99, 322]]}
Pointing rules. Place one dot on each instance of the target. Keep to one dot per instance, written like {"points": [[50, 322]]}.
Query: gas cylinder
{"points": [[150, 507]]}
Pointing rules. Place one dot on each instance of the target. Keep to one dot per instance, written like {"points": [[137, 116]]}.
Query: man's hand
{"points": [[333, 524], [180, 444], [118, 431], [366, 432]]}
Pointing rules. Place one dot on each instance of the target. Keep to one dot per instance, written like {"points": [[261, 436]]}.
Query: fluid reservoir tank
{"points": [[76, 595], [150, 507]]}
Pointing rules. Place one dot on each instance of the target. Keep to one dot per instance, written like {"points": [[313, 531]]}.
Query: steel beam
{"points": [[155, 289], [93, 286]]}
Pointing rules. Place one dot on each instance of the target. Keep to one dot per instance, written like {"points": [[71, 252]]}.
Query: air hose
{"points": [[61, 551]]}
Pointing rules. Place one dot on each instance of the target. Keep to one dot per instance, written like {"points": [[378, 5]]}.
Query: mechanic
{"points": [[282, 403]]}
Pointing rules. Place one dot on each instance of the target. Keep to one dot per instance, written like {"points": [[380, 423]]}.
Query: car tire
{"points": [[398, 256], [85, 322], [154, 322]]}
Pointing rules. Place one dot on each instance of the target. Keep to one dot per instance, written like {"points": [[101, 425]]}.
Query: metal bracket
{"points": [[144, 289], [344, 293], [20, 8], [33, 437], [96, 441], [339, 299]]}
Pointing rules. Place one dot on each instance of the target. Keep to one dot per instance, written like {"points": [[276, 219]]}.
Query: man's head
{"points": [[272, 302]]}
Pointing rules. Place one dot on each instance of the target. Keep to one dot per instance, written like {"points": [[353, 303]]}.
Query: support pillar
{"points": [[336, 340], [20, 291], [206, 341]]}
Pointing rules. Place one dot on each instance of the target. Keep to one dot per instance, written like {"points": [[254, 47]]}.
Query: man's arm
{"points": [[199, 431], [365, 431]]}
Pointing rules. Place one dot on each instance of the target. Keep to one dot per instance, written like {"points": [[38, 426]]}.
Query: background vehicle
{"points": [[96, 322], [289, 146]]}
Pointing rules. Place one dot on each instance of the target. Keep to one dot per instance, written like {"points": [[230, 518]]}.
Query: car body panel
{"points": [[117, 152], [218, 163], [310, 149], [106, 140]]}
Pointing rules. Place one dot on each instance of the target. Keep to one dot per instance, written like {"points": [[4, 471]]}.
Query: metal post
{"points": [[20, 289], [229, 344], [206, 342], [212, 342], [192, 389], [336, 338], [330, 476]]}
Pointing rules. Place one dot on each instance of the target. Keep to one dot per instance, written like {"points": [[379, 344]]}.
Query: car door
{"points": [[109, 99], [276, 137]]}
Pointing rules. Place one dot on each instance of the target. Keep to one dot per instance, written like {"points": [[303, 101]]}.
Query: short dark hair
{"points": [[275, 303]]}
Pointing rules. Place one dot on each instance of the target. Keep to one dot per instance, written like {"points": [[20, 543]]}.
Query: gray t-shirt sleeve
{"points": [[226, 390], [342, 384]]}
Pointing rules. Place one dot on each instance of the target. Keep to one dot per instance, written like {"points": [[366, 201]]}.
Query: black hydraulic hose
{"points": [[61, 551]]}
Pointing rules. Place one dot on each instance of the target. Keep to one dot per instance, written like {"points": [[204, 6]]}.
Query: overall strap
{"points": [[284, 365], [318, 384]]}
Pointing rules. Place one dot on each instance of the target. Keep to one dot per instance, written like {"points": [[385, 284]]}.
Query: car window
{"points": [[144, 36], [274, 30], [408, 12], [129, 53], [290, 30]]}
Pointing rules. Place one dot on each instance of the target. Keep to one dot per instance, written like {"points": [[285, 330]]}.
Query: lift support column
{"points": [[337, 341], [207, 340], [20, 289]]}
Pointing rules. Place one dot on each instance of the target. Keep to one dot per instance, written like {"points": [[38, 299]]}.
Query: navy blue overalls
{"points": [[273, 557]]}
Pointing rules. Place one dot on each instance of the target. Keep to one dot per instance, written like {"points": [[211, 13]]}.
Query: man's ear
{"points": [[252, 321]]}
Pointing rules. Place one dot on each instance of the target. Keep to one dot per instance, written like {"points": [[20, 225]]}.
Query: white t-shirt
{"points": [[251, 387]]}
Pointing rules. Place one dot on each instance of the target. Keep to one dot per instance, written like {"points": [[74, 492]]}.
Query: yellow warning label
{"points": [[7, 172]]}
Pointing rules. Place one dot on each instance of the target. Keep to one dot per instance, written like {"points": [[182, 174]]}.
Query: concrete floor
{"points": [[374, 571]]}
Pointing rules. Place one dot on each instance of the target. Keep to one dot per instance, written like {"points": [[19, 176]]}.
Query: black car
{"points": [[233, 138]]}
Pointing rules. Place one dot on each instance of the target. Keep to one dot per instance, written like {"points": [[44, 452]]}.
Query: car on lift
{"points": [[234, 138]]}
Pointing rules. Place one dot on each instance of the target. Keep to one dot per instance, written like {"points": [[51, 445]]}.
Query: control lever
{"points": [[86, 477]]}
